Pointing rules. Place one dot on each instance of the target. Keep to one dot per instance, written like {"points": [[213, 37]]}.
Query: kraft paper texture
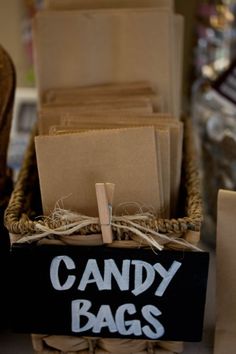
{"points": [[225, 335], [69, 166], [171, 154], [111, 46], [99, 4]]}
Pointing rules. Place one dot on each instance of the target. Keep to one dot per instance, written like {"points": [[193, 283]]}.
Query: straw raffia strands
{"points": [[72, 223]]}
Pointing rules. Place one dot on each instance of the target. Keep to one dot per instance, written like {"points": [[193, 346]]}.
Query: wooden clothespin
{"points": [[105, 193]]}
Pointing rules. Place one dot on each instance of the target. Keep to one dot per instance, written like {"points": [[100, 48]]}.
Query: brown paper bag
{"points": [[103, 4], [108, 46], [163, 157], [52, 115], [118, 95], [163, 144], [73, 94], [159, 121], [225, 334], [70, 116], [69, 166]]}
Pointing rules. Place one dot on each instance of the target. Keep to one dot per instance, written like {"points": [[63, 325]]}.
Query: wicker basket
{"points": [[20, 221]]}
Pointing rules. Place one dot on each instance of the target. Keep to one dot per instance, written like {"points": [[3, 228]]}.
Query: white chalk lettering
{"points": [[104, 319], [122, 278], [92, 275], [142, 274], [83, 320], [141, 284], [148, 311], [166, 275], [54, 273], [127, 327], [80, 308]]}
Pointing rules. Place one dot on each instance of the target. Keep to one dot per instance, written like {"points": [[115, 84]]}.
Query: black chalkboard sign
{"points": [[108, 292]]}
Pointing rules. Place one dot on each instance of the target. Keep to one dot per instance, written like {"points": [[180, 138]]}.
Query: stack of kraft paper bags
{"points": [[109, 82]]}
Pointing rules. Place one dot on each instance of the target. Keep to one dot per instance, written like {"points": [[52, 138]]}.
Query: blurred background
{"points": [[209, 95]]}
